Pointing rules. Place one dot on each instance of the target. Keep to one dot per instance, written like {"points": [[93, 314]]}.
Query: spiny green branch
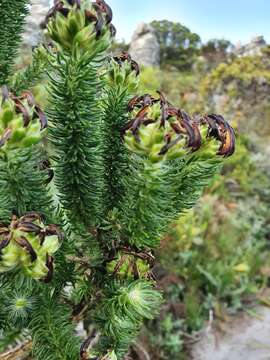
{"points": [[21, 193], [121, 81], [28, 77], [123, 311], [75, 134], [52, 331], [12, 15], [75, 112], [173, 159]]}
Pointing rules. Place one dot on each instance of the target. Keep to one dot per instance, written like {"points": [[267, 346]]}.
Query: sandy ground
{"points": [[245, 338]]}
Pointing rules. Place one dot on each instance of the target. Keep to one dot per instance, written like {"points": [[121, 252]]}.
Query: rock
{"points": [[39, 9], [144, 47], [246, 338], [251, 49]]}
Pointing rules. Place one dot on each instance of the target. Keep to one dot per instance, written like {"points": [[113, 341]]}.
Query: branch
{"points": [[21, 352]]}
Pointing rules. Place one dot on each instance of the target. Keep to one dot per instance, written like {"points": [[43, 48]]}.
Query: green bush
{"points": [[89, 186]]}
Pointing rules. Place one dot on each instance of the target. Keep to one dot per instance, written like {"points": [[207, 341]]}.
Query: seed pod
{"points": [[141, 101], [49, 264], [29, 227], [4, 243]]}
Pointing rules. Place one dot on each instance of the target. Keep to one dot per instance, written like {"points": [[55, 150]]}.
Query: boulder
{"points": [[253, 48], [39, 9], [144, 47]]}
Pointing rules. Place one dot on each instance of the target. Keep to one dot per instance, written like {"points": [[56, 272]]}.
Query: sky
{"points": [[235, 20]]}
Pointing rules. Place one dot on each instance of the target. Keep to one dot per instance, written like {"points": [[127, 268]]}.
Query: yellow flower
{"points": [[243, 268]]}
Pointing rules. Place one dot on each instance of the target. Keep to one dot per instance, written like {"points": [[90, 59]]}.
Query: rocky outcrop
{"points": [[144, 47], [39, 9], [251, 49]]}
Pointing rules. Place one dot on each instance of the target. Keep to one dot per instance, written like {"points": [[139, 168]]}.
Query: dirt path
{"points": [[246, 338]]}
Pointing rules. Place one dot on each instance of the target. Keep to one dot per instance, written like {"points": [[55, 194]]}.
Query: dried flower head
{"points": [[123, 73], [29, 244], [161, 131], [126, 58], [21, 120], [75, 24]]}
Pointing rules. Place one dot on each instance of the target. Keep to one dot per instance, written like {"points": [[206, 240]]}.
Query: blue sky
{"points": [[236, 20]]}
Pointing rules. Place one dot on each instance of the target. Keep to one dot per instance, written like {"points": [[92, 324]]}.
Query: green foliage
{"points": [[8, 338], [123, 311], [150, 80], [19, 192], [242, 71], [51, 330], [12, 14], [121, 82], [152, 216], [166, 337], [232, 273], [215, 51], [33, 73], [114, 172], [75, 131], [179, 46]]}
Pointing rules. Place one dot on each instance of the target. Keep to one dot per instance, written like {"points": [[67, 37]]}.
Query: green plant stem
{"points": [[75, 133], [12, 15]]}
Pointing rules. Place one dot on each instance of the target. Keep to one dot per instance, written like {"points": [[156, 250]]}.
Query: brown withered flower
{"points": [[125, 57], [221, 130], [58, 6], [99, 13], [29, 235], [21, 102], [177, 125], [103, 7], [141, 101]]}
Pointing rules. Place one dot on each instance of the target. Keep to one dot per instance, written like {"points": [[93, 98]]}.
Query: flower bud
{"points": [[21, 121], [29, 244], [123, 72]]}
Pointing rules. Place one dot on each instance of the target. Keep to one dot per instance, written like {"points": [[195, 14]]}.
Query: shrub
{"points": [[89, 185]]}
